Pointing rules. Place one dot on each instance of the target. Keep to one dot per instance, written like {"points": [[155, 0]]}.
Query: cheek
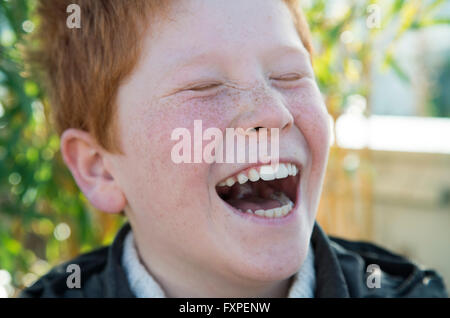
{"points": [[311, 116], [146, 140], [157, 121]]}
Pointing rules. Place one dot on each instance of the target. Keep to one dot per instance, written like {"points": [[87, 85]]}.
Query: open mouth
{"points": [[262, 191]]}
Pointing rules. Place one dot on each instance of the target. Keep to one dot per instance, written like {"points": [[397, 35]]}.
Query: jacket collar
{"points": [[329, 275], [330, 281]]}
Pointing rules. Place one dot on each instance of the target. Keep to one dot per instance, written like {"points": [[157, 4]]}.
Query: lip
{"points": [[288, 218]]}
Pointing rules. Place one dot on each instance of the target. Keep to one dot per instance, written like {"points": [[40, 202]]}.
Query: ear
{"points": [[86, 161]]}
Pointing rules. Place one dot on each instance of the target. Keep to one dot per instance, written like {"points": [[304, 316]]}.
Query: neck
{"points": [[180, 279], [223, 289]]}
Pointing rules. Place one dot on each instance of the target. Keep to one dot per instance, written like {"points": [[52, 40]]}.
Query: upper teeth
{"points": [[265, 173]]}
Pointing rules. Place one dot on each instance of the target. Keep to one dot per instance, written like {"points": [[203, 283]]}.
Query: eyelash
{"points": [[203, 87], [288, 78]]}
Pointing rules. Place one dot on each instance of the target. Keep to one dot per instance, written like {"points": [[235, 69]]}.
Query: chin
{"points": [[271, 264]]}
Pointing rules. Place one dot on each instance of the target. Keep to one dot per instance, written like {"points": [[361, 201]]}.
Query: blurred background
{"points": [[384, 71]]}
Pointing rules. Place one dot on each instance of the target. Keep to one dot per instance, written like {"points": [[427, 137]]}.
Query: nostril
{"points": [[288, 125], [253, 129]]}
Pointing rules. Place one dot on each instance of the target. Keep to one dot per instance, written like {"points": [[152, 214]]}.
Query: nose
{"points": [[263, 108]]}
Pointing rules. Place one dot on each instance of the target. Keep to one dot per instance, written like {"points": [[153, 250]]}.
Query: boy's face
{"points": [[230, 64]]}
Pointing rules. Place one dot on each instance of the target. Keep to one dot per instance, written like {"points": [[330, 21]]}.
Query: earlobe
{"points": [[107, 197], [85, 159]]}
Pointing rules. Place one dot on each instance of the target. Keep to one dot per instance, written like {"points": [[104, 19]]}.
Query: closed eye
{"points": [[204, 87], [287, 77]]}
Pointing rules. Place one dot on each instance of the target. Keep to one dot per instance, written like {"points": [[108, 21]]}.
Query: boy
{"points": [[135, 72]]}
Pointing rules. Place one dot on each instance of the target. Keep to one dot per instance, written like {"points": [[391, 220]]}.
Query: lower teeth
{"points": [[286, 206]]}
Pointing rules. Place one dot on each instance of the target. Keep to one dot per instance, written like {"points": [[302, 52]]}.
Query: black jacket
{"points": [[341, 271]]}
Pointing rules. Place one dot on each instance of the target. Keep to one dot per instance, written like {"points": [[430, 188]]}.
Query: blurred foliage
{"points": [[44, 219], [347, 36]]}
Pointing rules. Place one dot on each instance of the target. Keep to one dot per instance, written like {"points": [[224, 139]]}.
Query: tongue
{"points": [[254, 196], [254, 203]]}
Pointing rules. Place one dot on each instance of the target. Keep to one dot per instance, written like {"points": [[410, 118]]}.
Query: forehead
{"points": [[198, 29]]}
